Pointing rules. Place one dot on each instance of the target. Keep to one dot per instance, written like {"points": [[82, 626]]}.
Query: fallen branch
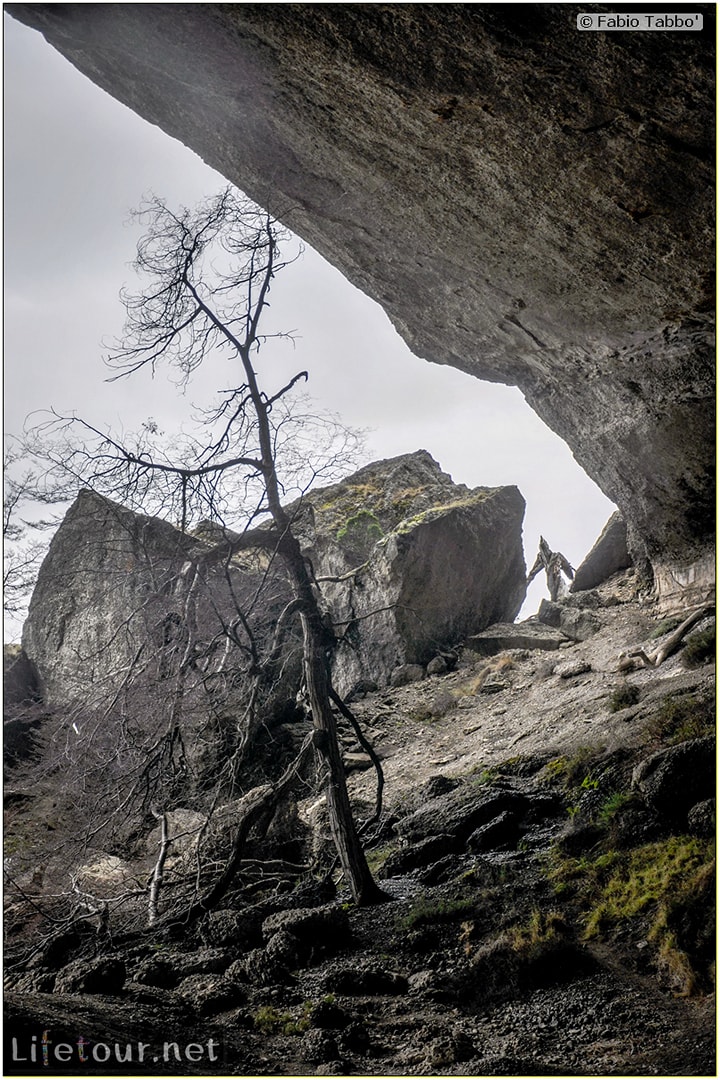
{"points": [[345, 577], [671, 644], [157, 876]]}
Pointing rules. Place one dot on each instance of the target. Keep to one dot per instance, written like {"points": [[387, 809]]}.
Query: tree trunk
{"points": [[342, 824]]}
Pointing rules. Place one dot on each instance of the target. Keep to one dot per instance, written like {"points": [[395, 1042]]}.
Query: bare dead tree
{"points": [[209, 276], [26, 525], [555, 565]]}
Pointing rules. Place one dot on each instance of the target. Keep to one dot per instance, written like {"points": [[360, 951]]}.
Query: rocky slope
{"points": [[546, 849], [528, 202]]}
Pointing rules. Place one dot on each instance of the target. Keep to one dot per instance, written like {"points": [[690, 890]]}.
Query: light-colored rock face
{"points": [[112, 609], [529, 203], [609, 554], [101, 590]]}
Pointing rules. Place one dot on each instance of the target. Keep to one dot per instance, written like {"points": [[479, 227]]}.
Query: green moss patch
{"points": [[664, 890]]}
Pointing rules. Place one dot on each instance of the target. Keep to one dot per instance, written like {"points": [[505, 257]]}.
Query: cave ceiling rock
{"points": [[529, 203]]}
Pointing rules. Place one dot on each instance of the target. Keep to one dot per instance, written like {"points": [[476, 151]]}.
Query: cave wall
{"points": [[529, 203]]}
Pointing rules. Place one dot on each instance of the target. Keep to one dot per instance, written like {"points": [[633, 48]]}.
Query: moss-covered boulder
{"points": [[411, 563]]}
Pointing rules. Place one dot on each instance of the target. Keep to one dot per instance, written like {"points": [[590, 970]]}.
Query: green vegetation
{"points": [[377, 856], [402, 500], [542, 932], [575, 771], [361, 532], [433, 512], [271, 1022], [689, 716], [665, 889], [481, 774], [612, 807], [628, 883], [623, 696], [665, 627], [346, 500], [699, 648], [424, 911]]}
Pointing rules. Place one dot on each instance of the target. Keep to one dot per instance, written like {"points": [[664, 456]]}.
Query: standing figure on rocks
{"points": [[555, 565]]}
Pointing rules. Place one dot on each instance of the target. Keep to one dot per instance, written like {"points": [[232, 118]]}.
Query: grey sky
{"points": [[76, 163]]}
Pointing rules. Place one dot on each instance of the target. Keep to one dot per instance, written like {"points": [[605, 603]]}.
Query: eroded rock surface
{"points": [[528, 203], [111, 604]]}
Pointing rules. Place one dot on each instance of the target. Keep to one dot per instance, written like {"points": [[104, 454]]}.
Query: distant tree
{"points": [[209, 272], [555, 565]]}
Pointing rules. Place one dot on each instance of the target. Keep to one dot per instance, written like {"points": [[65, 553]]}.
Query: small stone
{"points": [[318, 1046], [407, 674], [355, 762], [571, 668], [437, 666]]}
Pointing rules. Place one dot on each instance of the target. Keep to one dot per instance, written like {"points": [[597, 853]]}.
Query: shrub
{"points": [[360, 533], [544, 930], [612, 806], [699, 648], [665, 627], [575, 771], [271, 1022], [623, 696], [679, 718], [377, 856]]}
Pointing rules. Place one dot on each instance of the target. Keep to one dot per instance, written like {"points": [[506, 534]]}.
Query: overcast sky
{"points": [[76, 163]]}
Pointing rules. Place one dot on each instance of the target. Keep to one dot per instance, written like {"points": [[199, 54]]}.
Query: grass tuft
{"points": [[424, 912]]}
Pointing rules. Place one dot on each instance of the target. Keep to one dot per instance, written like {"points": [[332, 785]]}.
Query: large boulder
{"points": [[525, 635], [434, 562], [124, 615], [674, 780], [459, 813], [529, 203], [112, 603], [576, 623], [608, 554]]}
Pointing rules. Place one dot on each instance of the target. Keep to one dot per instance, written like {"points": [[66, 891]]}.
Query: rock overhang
{"points": [[529, 203]]}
